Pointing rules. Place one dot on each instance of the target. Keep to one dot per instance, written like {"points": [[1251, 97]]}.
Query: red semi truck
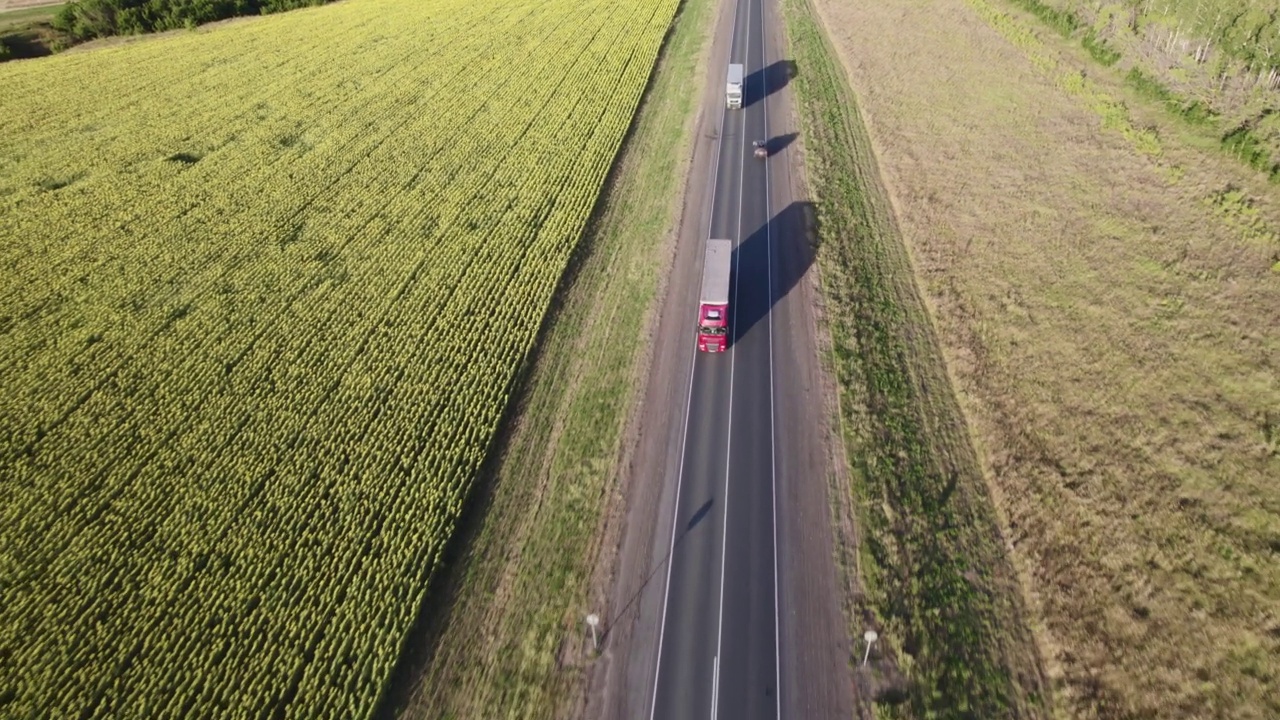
{"points": [[713, 311]]}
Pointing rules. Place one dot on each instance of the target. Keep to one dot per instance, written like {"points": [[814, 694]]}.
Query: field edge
{"points": [[559, 394]]}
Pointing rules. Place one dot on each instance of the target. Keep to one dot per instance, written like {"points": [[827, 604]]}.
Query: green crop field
{"points": [[264, 290]]}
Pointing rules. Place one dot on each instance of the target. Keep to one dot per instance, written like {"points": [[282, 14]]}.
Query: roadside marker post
{"points": [[593, 620], [870, 636]]}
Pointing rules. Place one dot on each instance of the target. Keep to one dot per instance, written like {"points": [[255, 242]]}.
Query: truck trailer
{"points": [[733, 91], [713, 310]]}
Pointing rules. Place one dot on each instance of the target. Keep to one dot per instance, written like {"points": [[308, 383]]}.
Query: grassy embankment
{"points": [[932, 564], [509, 639]]}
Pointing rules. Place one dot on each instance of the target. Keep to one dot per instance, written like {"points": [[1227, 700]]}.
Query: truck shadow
{"points": [[767, 81], [778, 143], [770, 262]]}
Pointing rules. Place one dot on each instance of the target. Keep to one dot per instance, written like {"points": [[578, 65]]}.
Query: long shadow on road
{"points": [[767, 81], [786, 236], [778, 143]]}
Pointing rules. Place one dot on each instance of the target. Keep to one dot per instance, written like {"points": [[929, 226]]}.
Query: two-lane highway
{"points": [[718, 645]]}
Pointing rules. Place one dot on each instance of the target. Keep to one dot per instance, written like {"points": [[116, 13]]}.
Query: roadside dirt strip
{"points": [[814, 652]]}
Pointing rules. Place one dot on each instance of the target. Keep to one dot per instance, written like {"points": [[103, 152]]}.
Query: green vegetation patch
{"points": [[28, 33], [1244, 144], [1236, 41], [1064, 22], [11, 18], [1242, 34], [1113, 113], [1099, 50], [1192, 111], [1239, 211], [1245, 30]]}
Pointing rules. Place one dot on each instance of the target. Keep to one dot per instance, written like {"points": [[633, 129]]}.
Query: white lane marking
{"points": [[675, 512], [773, 445], [737, 287], [715, 683]]}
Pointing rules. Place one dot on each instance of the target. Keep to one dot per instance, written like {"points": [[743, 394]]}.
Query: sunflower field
{"points": [[264, 292]]}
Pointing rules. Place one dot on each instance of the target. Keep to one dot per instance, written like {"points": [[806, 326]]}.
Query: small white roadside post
{"points": [[870, 636], [593, 620]]}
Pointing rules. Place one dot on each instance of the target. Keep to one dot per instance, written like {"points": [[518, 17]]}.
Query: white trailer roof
{"points": [[735, 74], [715, 271]]}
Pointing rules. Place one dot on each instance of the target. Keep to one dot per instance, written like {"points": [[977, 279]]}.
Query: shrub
{"points": [[1099, 49]]}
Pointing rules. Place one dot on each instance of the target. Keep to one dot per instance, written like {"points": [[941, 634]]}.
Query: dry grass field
{"points": [[1108, 299]]}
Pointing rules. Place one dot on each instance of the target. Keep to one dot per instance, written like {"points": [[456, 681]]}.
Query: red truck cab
{"points": [[713, 328]]}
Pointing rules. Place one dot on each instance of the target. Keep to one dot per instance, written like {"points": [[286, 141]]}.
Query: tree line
{"points": [[88, 19]]}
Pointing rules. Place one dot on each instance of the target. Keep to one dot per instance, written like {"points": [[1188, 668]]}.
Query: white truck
{"points": [[733, 91]]}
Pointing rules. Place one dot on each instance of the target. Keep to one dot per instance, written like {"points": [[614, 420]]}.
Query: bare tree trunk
{"points": [[1173, 37]]}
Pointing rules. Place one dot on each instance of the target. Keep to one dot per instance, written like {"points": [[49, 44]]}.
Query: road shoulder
{"points": [[817, 680]]}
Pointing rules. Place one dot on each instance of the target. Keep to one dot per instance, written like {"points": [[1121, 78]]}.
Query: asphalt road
{"points": [[718, 643]]}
